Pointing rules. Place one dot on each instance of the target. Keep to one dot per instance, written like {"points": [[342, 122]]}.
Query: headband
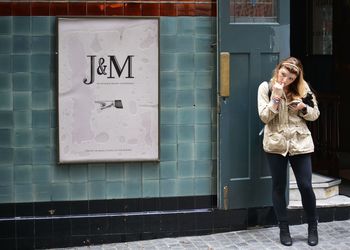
{"points": [[297, 69]]}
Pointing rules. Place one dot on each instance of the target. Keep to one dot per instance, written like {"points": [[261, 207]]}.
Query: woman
{"points": [[284, 105]]}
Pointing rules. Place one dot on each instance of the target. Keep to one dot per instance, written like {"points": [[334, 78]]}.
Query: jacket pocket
{"points": [[275, 143], [302, 141]]}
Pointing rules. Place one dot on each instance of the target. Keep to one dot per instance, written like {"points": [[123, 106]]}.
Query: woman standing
{"points": [[285, 104]]}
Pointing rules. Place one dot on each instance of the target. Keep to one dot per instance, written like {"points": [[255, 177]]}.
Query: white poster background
{"points": [[115, 118]]}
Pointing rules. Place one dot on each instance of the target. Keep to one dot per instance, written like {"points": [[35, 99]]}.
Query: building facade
{"points": [[46, 204]]}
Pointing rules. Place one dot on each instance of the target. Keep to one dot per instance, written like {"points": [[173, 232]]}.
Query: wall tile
{"points": [[78, 191], [184, 44], [150, 171], [41, 192], [20, 63], [203, 133], [150, 188], [57, 9], [22, 119], [6, 155], [6, 137], [185, 133], [21, 25], [61, 174], [5, 100], [185, 187], [6, 194], [41, 44], [6, 119], [168, 26], [5, 25], [167, 116], [23, 174], [133, 171], [6, 82], [21, 44], [97, 172], [204, 80], [6, 175], [185, 169], [168, 170], [133, 188], [41, 100], [115, 171], [185, 98], [168, 152], [203, 43], [203, 151], [168, 43], [41, 119], [204, 25], [5, 63], [21, 82], [23, 156], [42, 174], [167, 61], [115, 189], [203, 168], [22, 100], [168, 188], [185, 61], [151, 9], [202, 186], [60, 192], [203, 116], [5, 44], [42, 155], [203, 97], [185, 116], [185, 151], [204, 61], [41, 63], [185, 80], [23, 137], [167, 98], [23, 193], [167, 80], [40, 25], [168, 134], [185, 25], [41, 137], [78, 173], [41, 81]]}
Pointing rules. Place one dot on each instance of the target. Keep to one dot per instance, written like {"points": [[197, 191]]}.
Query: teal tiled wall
{"points": [[28, 119]]}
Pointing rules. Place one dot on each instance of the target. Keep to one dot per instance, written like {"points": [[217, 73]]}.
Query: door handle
{"points": [[225, 74]]}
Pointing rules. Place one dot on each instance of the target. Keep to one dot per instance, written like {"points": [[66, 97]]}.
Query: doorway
{"points": [[317, 38]]}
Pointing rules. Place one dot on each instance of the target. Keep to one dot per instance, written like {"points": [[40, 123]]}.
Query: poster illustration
{"points": [[108, 89]]}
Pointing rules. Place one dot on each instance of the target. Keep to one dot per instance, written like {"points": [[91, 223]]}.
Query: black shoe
{"points": [[285, 234], [312, 238]]}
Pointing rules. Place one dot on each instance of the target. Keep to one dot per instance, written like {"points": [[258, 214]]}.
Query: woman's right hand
{"points": [[277, 89]]}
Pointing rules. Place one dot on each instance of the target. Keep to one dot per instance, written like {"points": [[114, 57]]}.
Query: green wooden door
{"points": [[254, 36]]}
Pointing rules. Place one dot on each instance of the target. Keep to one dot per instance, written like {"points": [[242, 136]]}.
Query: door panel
{"points": [[255, 47]]}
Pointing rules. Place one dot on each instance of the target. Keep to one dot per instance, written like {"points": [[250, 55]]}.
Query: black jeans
{"points": [[301, 165]]}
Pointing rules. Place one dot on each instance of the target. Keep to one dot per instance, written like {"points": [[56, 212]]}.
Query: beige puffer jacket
{"points": [[291, 136]]}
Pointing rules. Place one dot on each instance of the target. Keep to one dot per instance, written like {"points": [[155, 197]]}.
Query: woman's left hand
{"points": [[298, 107]]}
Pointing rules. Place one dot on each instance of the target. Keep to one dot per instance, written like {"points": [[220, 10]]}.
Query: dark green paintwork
{"points": [[254, 50]]}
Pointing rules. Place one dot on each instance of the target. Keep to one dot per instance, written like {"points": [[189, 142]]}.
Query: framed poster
{"points": [[108, 89]]}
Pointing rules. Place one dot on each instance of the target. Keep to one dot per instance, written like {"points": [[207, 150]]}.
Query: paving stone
{"points": [[332, 236]]}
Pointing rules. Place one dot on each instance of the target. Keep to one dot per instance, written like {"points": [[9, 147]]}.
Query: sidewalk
{"points": [[332, 235]]}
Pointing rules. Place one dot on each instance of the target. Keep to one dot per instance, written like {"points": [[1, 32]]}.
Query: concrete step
{"points": [[335, 201], [324, 187]]}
